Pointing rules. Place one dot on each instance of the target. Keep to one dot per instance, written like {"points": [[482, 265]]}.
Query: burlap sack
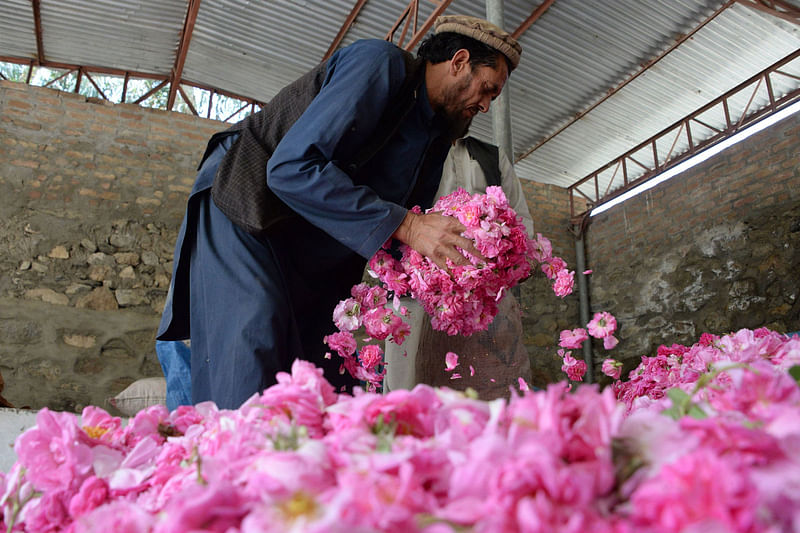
{"points": [[498, 355]]}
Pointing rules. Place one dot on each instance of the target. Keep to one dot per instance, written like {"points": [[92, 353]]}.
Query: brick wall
{"points": [[715, 249], [549, 207], [88, 153]]}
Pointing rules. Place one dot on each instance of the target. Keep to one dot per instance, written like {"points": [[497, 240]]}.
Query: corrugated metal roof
{"points": [[736, 45], [137, 35], [17, 37], [574, 56]]}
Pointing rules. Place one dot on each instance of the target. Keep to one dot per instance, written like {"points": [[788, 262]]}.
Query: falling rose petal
{"points": [[493, 380], [523, 386], [403, 310], [327, 355], [471, 370], [587, 272], [455, 375], [450, 361], [396, 302], [609, 342]]}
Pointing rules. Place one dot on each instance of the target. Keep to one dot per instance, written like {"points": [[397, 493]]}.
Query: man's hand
{"points": [[436, 237]]}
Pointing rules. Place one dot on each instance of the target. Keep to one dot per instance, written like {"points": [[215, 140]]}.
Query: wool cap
{"points": [[483, 31]]}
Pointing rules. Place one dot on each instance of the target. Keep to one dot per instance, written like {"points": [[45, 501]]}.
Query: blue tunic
{"points": [[254, 305]]}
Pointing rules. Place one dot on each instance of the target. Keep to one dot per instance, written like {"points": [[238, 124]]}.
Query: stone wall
{"points": [[715, 249], [544, 314], [93, 194]]}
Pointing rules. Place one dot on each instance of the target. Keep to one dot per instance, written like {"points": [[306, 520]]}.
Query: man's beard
{"points": [[452, 111], [457, 127]]}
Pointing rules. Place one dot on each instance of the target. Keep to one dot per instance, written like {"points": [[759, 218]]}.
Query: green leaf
{"points": [[696, 412], [679, 397], [794, 371], [673, 412]]}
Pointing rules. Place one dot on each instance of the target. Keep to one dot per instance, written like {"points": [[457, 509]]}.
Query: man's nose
{"points": [[483, 105]]}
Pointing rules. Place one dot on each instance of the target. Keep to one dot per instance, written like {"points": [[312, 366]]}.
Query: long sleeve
{"points": [[305, 172]]}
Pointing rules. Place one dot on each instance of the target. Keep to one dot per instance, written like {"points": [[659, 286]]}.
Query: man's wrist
{"points": [[403, 231]]}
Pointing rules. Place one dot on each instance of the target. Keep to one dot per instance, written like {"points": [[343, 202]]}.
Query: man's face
{"points": [[472, 90]]}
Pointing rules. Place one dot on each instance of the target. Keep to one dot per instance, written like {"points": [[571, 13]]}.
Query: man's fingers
{"points": [[469, 246]]}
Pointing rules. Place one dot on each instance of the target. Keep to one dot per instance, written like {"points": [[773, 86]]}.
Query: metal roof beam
{"points": [[428, 24], [345, 28], [538, 12], [418, 34], [71, 66], [37, 24], [682, 129], [81, 70], [777, 8], [183, 48], [413, 5]]}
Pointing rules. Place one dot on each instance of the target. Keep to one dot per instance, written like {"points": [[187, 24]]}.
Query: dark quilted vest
{"points": [[240, 185]]}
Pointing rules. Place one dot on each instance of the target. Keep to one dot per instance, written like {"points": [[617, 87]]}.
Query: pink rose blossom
{"points": [[612, 368], [119, 516], [347, 315], [370, 356], [722, 496], [565, 280], [542, 249], [553, 266], [342, 342], [573, 339], [380, 322], [574, 368], [700, 437], [400, 330], [602, 325], [53, 452], [93, 493]]}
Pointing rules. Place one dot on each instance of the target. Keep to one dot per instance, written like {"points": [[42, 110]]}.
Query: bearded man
{"points": [[290, 203]]}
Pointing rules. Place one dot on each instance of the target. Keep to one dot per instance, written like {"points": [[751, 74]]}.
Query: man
{"points": [[497, 356], [290, 203]]}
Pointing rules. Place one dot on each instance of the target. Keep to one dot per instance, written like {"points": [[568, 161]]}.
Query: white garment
{"points": [[460, 170]]}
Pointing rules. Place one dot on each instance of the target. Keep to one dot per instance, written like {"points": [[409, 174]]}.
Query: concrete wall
{"points": [[715, 249]]}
